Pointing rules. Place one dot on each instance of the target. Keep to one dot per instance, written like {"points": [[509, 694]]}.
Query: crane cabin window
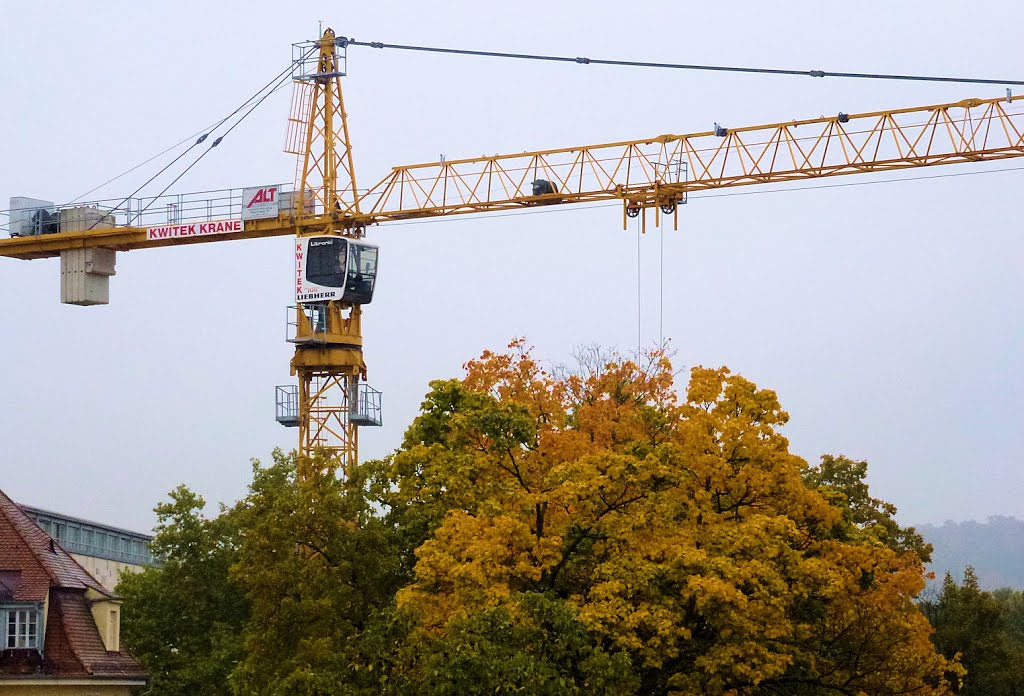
{"points": [[335, 268], [362, 273], [326, 260]]}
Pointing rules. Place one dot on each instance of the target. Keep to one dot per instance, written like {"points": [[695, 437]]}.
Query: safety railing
{"points": [[286, 405], [365, 409], [41, 217], [316, 316]]}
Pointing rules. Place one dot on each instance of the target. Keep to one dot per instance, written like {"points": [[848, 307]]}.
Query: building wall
{"points": [[106, 570]]}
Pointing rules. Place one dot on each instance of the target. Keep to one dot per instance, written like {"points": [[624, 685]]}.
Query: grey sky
{"points": [[887, 316]]}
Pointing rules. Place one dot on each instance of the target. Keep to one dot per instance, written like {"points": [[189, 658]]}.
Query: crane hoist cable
{"points": [[344, 41], [661, 284], [639, 298]]}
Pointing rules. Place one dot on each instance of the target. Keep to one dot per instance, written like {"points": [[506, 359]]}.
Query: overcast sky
{"points": [[886, 315]]}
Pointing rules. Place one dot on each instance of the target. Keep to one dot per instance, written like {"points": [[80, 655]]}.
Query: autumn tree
{"points": [[679, 530]]}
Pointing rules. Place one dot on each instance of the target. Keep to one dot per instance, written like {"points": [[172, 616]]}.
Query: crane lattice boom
{"points": [[661, 170], [642, 173]]}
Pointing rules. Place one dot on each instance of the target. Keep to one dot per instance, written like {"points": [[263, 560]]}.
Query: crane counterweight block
{"points": [[85, 273]]}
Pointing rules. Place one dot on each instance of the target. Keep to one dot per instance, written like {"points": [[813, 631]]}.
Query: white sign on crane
{"points": [[261, 202]]}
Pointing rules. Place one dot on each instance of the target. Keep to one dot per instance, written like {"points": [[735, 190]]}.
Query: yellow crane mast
{"points": [[328, 215], [328, 336]]}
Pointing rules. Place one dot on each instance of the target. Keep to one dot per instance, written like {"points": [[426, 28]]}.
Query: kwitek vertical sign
{"points": [[261, 202]]}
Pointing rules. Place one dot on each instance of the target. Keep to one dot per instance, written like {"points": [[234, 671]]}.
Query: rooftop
{"points": [[42, 563], [94, 539], [37, 572]]}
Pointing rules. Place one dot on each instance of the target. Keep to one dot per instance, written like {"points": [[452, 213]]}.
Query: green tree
{"points": [[183, 619], [984, 630], [538, 646], [1011, 603], [843, 482], [316, 562]]}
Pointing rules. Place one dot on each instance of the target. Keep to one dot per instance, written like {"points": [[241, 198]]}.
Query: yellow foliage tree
{"points": [[679, 530]]}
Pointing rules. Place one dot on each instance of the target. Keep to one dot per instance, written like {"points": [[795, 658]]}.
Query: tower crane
{"points": [[336, 267]]}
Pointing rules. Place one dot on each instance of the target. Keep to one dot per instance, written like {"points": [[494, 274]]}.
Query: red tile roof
{"points": [[42, 561], [39, 568], [74, 646]]}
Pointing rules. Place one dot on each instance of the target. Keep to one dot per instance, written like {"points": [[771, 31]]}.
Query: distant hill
{"points": [[995, 548]]}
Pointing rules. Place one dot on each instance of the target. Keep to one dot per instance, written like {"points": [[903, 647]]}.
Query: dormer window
{"points": [[21, 627]]}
